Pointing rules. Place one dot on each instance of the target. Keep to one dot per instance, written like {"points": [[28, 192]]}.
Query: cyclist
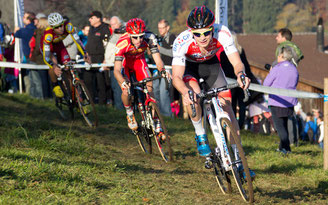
{"points": [[130, 56], [53, 49], [194, 57]]}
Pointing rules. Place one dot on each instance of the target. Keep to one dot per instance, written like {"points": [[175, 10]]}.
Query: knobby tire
{"points": [[245, 187], [84, 99], [163, 146]]}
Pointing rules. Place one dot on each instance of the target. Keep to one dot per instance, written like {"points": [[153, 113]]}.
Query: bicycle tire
{"points": [[142, 133], [66, 101], [245, 187], [85, 104], [164, 146]]}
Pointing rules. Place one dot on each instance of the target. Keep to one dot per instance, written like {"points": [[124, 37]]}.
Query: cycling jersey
{"points": [[134, 58], [200, 65], [186, 48], [53, 43]]}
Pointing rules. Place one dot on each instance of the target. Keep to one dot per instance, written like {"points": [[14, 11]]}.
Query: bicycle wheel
{"points": [[85, 103], [163, 145], [221, 176], [65, 105], [245, 186], [142, 133]]}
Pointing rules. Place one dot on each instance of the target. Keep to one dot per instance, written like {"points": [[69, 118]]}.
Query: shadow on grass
{"points": [[134, 168], [287, 168], [299, 195]]}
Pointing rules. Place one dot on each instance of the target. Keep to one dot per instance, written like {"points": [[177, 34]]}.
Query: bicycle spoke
{"points": [[161, 136], [142, 133], [85, 103]]}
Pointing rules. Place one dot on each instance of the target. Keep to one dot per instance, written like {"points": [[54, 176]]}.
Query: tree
{"points": [[296, 18], [260, 16]]}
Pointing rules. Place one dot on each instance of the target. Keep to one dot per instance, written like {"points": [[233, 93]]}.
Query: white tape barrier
{"points": [[280, 91], [45, 67], [254, 87]]}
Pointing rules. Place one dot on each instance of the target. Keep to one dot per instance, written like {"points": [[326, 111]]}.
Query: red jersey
{"points": [[134, 58]]}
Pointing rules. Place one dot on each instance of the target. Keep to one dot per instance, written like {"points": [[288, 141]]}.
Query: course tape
{"points": [[254, 87], [280, 91], [325, 99], [45, 67]]}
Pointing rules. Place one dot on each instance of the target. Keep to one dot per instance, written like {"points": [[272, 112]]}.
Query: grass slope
{"points": [[44, 160]]}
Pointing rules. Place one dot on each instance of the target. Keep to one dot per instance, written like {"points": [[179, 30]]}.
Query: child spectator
{"points": [[320, 131]]}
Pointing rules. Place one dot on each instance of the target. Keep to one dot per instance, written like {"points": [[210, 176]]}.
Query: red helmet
{"points": [[200, 17], [135, 26]]}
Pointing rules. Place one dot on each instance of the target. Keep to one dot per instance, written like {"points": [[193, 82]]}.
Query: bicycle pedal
{"points": [[208, 164]]}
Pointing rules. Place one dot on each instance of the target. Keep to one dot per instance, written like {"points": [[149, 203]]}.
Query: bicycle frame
{"points": [[143, 88]]}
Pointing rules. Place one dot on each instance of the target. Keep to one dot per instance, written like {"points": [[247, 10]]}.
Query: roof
{"points": [[260, 49]]}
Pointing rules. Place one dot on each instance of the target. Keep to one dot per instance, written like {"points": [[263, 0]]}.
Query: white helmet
{"points": [[55, 19]]}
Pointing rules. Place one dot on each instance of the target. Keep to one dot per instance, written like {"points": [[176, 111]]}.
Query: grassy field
{"points": [[44, 160]]}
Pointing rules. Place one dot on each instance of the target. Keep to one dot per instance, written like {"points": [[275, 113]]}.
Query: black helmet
{"points": [[200, 17]]}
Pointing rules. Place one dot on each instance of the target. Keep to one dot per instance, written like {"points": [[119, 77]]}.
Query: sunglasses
{"points": [[56, 27], [205, 33], [136, 37]]}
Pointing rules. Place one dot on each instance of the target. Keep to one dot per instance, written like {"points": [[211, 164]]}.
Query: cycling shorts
{"points": [[137, 66], [210, 71]]}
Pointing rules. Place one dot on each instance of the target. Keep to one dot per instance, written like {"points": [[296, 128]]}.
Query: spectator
{"points": [[316, 114], [26, 33], [321, 130], [2, 38], [283, 75], [300, 119], [98, 35], [283, 39], [259, 111], [39, 79], [238, 93], [161, 94], [310, 128], [83, 34], [116, 25]]}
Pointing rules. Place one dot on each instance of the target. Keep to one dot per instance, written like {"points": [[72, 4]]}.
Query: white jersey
{"points": [[186, 48]]}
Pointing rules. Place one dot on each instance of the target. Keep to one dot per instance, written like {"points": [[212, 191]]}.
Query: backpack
{"points": [[6, 32]]}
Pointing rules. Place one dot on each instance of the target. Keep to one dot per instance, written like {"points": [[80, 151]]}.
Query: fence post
{"points": [[325, 140]]}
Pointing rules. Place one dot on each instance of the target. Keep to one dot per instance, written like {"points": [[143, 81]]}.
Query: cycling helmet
{"points": [[135, 26], [55, 19], [200, 17]]}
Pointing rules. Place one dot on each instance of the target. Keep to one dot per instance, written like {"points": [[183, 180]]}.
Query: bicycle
{"points": [[222, 159], [76, 95], [149, 120]]}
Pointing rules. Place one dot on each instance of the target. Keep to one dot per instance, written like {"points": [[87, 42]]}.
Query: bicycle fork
{"points": [[221, 150]]}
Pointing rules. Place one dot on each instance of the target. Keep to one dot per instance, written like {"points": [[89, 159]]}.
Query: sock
{"points": [[128, 109], [198, 127]]}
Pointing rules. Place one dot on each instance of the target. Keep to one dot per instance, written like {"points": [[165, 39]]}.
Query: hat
{"points": [[96, 13], [40, 15]]}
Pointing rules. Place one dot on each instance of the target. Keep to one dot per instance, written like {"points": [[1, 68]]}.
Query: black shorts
{"points": [[209, 70]]}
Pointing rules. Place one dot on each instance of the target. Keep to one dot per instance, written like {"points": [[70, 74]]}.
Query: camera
{"points": [[120, 30], [267, 66]]}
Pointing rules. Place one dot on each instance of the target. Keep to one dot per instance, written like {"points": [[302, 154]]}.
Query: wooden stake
{"points": [[325, 139]]}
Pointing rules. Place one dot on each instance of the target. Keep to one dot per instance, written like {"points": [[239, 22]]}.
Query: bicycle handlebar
{"points": [[193, 109], [246, 91], [146, 80], [213, 93]]}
